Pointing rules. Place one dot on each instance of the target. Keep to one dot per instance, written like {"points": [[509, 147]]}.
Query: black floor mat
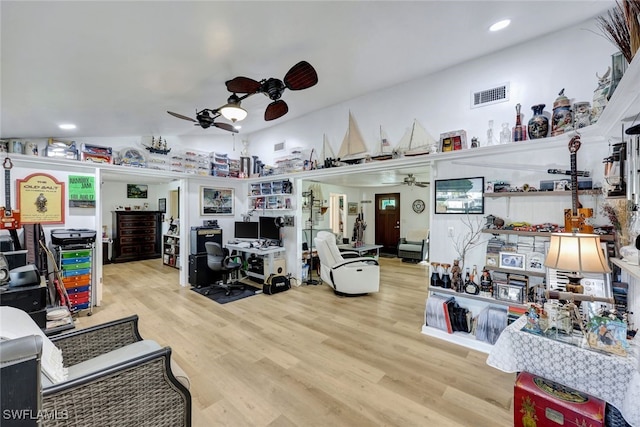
{"points": [[218, 294]]}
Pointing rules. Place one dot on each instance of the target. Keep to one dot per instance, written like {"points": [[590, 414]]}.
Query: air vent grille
{"points": [[279, 146], [494, 95]]}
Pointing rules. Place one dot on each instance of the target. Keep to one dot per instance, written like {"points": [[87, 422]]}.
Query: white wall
{"points": [[536, 71]]}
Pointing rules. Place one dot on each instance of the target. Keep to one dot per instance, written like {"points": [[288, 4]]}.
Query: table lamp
{"points": [[577, 253]]}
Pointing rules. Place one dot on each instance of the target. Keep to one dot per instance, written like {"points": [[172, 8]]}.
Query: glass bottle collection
{"points": [[472, 283]]}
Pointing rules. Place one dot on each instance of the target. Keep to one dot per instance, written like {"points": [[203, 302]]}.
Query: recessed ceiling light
{"points": [[500, 25], [67, 126], [238, 127]]}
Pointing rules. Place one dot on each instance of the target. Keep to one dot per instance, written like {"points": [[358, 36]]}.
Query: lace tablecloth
{"points": [[612, 378]]}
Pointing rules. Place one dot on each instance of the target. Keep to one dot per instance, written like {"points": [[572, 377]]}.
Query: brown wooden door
{"points": [[388, 222]]}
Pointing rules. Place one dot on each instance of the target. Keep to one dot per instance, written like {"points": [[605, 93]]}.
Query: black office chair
{"points": [[218, 260]]}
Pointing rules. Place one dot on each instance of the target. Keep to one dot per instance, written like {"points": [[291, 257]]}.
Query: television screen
{"points": [[268, 228], [246, 230]]}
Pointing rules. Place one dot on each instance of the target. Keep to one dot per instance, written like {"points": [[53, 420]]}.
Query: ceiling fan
{"points": [[410, 180], [206, 118], [300, 76]]}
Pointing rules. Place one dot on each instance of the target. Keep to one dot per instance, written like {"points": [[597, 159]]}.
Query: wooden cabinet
{"points": [[136, 235]]}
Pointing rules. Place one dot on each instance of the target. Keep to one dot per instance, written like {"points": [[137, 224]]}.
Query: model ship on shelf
{"points": [[353, 149], [416, 142], [158, 147], [385, 152]]}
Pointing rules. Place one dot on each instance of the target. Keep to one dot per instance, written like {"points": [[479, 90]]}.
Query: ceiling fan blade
{"points": [[242, 85], [180, 116], [301, 76], [226, 126], [275, 110], [422, 184]]}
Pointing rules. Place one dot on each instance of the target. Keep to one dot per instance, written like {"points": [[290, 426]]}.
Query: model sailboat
{"points": [[385, 152], [416, 141], [328, 158], [353, 148]]}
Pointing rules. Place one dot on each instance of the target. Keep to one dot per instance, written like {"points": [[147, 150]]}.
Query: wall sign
{"points": [[82, 191], [41, 199]]}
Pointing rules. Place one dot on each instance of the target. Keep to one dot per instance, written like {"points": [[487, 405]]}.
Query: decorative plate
{"points": [[418, 206]]}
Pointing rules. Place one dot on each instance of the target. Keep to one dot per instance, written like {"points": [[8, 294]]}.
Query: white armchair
{"points": [[350, 276]]}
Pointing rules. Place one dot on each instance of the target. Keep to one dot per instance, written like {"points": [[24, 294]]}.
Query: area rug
{"points": [[218, 294]]}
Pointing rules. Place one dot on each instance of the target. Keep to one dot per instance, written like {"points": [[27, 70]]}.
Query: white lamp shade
{"points": [[232, 112], [576, 252]]}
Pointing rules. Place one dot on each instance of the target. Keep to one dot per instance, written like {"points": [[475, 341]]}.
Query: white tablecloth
{"points": [[614, 379]]}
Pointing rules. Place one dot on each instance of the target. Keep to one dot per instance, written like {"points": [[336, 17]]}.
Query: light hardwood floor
{"points": [[306, 357]]}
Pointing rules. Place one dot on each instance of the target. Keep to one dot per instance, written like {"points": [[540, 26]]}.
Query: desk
{"points": [[268, 255], [362, 250], [612, 378]]}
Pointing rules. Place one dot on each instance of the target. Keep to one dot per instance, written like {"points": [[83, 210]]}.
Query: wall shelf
{"points": [[594, 192], [496, 231], [480, 297]]}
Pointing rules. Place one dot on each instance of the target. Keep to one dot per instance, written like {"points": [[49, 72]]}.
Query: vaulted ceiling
{"points": [[115, 67]]}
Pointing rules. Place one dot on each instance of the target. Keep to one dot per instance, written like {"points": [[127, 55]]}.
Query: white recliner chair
{"points": [[347, 276]]}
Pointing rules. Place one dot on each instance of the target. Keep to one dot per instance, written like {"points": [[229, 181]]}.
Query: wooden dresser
{"points": [[136, 235]]}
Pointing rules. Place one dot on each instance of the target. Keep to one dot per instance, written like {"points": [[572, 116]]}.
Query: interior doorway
{"points": [[387, 214], [337, 214]]}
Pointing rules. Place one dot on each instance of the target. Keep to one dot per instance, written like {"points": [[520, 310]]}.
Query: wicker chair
{"points": [[138, 384]]}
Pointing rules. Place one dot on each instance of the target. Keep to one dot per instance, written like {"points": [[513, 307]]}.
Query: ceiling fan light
{"points": [[232, 110]]}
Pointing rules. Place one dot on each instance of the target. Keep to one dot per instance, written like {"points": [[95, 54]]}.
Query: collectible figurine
{"points": [[456, 276]]}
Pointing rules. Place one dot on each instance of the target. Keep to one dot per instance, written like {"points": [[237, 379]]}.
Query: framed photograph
{"points": [[513, 293], [352, 208], [535, 262], [561, 185], [453, 141], [459, 196], [137, 191], [162, 205], [512, 260], [216, 201]]}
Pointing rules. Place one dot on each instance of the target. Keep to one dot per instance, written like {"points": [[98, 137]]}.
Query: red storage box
{"points": [[542, 402]]}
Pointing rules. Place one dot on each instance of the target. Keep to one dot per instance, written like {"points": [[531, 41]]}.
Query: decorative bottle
{"points": [[446, 279], [435, 275], [486, 284], [470, 285], [467, 280], [538, 125], [519, 133], [505, 134], [490, 133]]}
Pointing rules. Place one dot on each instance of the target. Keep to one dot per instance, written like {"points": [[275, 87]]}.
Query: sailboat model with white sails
{"points": [[416, 141], [353, 148], [328, 158], [385, 152]]}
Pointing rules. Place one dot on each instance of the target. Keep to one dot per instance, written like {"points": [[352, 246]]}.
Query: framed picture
{"points": [[535, 262], [162, 205], [453, 141], [352, 208], [216, 201], [512, 260], [137, 191], [513, 293], [459, 196], [40, 199], [561, 185]]}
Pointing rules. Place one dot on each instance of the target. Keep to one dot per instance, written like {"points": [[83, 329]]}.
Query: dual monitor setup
{"points": [[267, 229]]}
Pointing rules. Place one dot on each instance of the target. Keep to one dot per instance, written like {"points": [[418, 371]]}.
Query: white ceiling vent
{"points": [[279, 146], [499, 93]]}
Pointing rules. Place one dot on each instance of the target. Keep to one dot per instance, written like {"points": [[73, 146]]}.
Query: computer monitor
{"points": [[246, 230], [269, 230]]}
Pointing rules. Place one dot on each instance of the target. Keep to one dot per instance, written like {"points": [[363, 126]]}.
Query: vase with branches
{"points": [[469, 239]]}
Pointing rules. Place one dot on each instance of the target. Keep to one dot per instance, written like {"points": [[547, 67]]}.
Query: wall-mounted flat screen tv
{"points": [[459, 196]]}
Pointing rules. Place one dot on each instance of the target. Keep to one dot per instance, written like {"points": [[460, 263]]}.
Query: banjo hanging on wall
{"points": [[10, 217]]}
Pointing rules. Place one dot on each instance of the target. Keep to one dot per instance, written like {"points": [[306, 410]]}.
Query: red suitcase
{"points": [[539, 402]]}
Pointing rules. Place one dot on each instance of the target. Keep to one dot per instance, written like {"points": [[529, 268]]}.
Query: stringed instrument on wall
{"points": [[576, 218], [9, 218]]}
